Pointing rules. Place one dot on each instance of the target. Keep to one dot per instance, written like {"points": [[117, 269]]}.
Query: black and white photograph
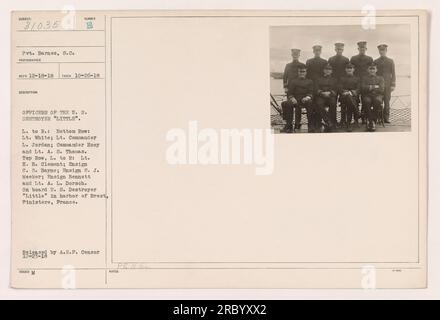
{"points": [[143, 159], [345, 78]]}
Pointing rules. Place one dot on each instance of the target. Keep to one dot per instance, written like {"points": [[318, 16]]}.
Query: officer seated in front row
{"points": [[372, 87], [299, 95], [326, 88], [349, 89]]}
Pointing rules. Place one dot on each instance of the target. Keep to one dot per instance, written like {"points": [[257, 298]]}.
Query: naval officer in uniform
{"points": [[315, 66], [338, 63], [299, 95], [361, 62], [372, 90], [349, 88], [386, 69], [291, 69], [326, 90]]}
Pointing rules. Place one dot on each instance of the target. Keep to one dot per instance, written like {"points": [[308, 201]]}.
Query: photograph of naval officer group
{"points": [[341, 93]]}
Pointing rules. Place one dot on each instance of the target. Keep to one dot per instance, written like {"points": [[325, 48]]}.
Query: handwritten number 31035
{"points": [[46, 25]]}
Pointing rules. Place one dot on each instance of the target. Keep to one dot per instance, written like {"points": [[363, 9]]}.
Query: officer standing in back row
{"points": [[361, 61], [315, 66], [291, 69], [386, 69], [338, 61]]}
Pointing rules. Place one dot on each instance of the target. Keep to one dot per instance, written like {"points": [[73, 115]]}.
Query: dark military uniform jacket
{"points": [[315, 68], [326, 84], [300, 88], [386, 69], [361, 63], [338, 64], [351, 83], [369, 80], [290, 72]]}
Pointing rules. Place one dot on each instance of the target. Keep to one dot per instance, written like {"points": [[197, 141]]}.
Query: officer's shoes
{"points": [[287, 129], [349, 128], [387, 121], [371, 126]]}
